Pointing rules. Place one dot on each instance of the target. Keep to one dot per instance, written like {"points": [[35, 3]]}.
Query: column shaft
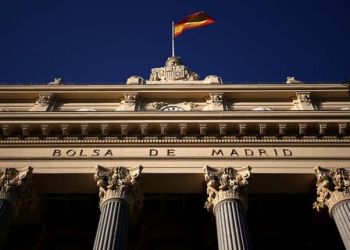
{"points": [[341, 216], [231, 226], [113, 226], [7, 214]]}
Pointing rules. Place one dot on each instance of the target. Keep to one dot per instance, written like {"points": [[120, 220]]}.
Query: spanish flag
{"points": [[195, 20]]}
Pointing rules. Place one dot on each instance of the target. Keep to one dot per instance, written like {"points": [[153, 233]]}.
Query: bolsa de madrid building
{"points": [[175, 162]]}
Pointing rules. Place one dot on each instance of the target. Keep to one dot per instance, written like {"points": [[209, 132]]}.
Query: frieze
{"points": [[171, 152]]}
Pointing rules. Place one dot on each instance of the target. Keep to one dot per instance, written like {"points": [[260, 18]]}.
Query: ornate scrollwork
{"points": [[332, 187], [120, 183], [228, 183], [17, 187]]}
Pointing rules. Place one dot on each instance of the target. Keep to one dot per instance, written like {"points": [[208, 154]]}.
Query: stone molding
{"points": [[120, 183], [227, 183], [332, 187], [17, 187]]}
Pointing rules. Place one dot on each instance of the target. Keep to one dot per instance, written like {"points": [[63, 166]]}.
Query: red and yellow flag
{"points": [[195, 20]]}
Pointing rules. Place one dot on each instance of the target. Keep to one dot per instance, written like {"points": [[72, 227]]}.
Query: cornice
{"points": [[165, 86]]}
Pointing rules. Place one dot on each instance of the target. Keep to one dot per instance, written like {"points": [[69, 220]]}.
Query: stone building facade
{"points": [[174, 162]]}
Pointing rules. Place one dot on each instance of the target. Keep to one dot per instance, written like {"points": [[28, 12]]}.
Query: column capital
{"points": [[227, 183], [332, 187], [120, 183], [17, 187]]}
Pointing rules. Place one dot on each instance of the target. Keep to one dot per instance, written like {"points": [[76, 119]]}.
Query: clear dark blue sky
{"points": [[107, 41]]}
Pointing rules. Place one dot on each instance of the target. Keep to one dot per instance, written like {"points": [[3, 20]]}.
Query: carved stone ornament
{"points": [[144, 128], [130, 99], [17, 187], [173, 70], [104, 129], [120, 183], [216, 99], [262, 128], [163, 128], [291, 79], [282, 127], [159, 105], [304, 98], [192, 105], [342, 128], [25, 129], [124, 129], [183, 129], [45, 129], [84, 129], [45, 99], [65, 129], [242, 128], [228, 183], [56, 81], [332, 187], [302, 128], [322, 128], [203, 129], [222, 128], [6, 129]]}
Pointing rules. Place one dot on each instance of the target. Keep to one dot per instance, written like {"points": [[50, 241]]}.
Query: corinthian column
{"points": [[120, 194], [16, 191], [333, 192], [227, 199]]}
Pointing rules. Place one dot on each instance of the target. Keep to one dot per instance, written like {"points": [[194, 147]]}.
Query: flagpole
{"points": [[172, 40]]}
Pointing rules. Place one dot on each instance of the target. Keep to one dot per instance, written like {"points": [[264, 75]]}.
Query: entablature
{"points": [[201, 124]]}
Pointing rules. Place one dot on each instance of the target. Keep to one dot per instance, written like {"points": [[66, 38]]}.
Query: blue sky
{"points": [[107, 41]]}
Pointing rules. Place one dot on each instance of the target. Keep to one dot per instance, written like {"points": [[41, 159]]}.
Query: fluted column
{"points": [[16, 191], [227, 199], [333, 192], [120, 194]]}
